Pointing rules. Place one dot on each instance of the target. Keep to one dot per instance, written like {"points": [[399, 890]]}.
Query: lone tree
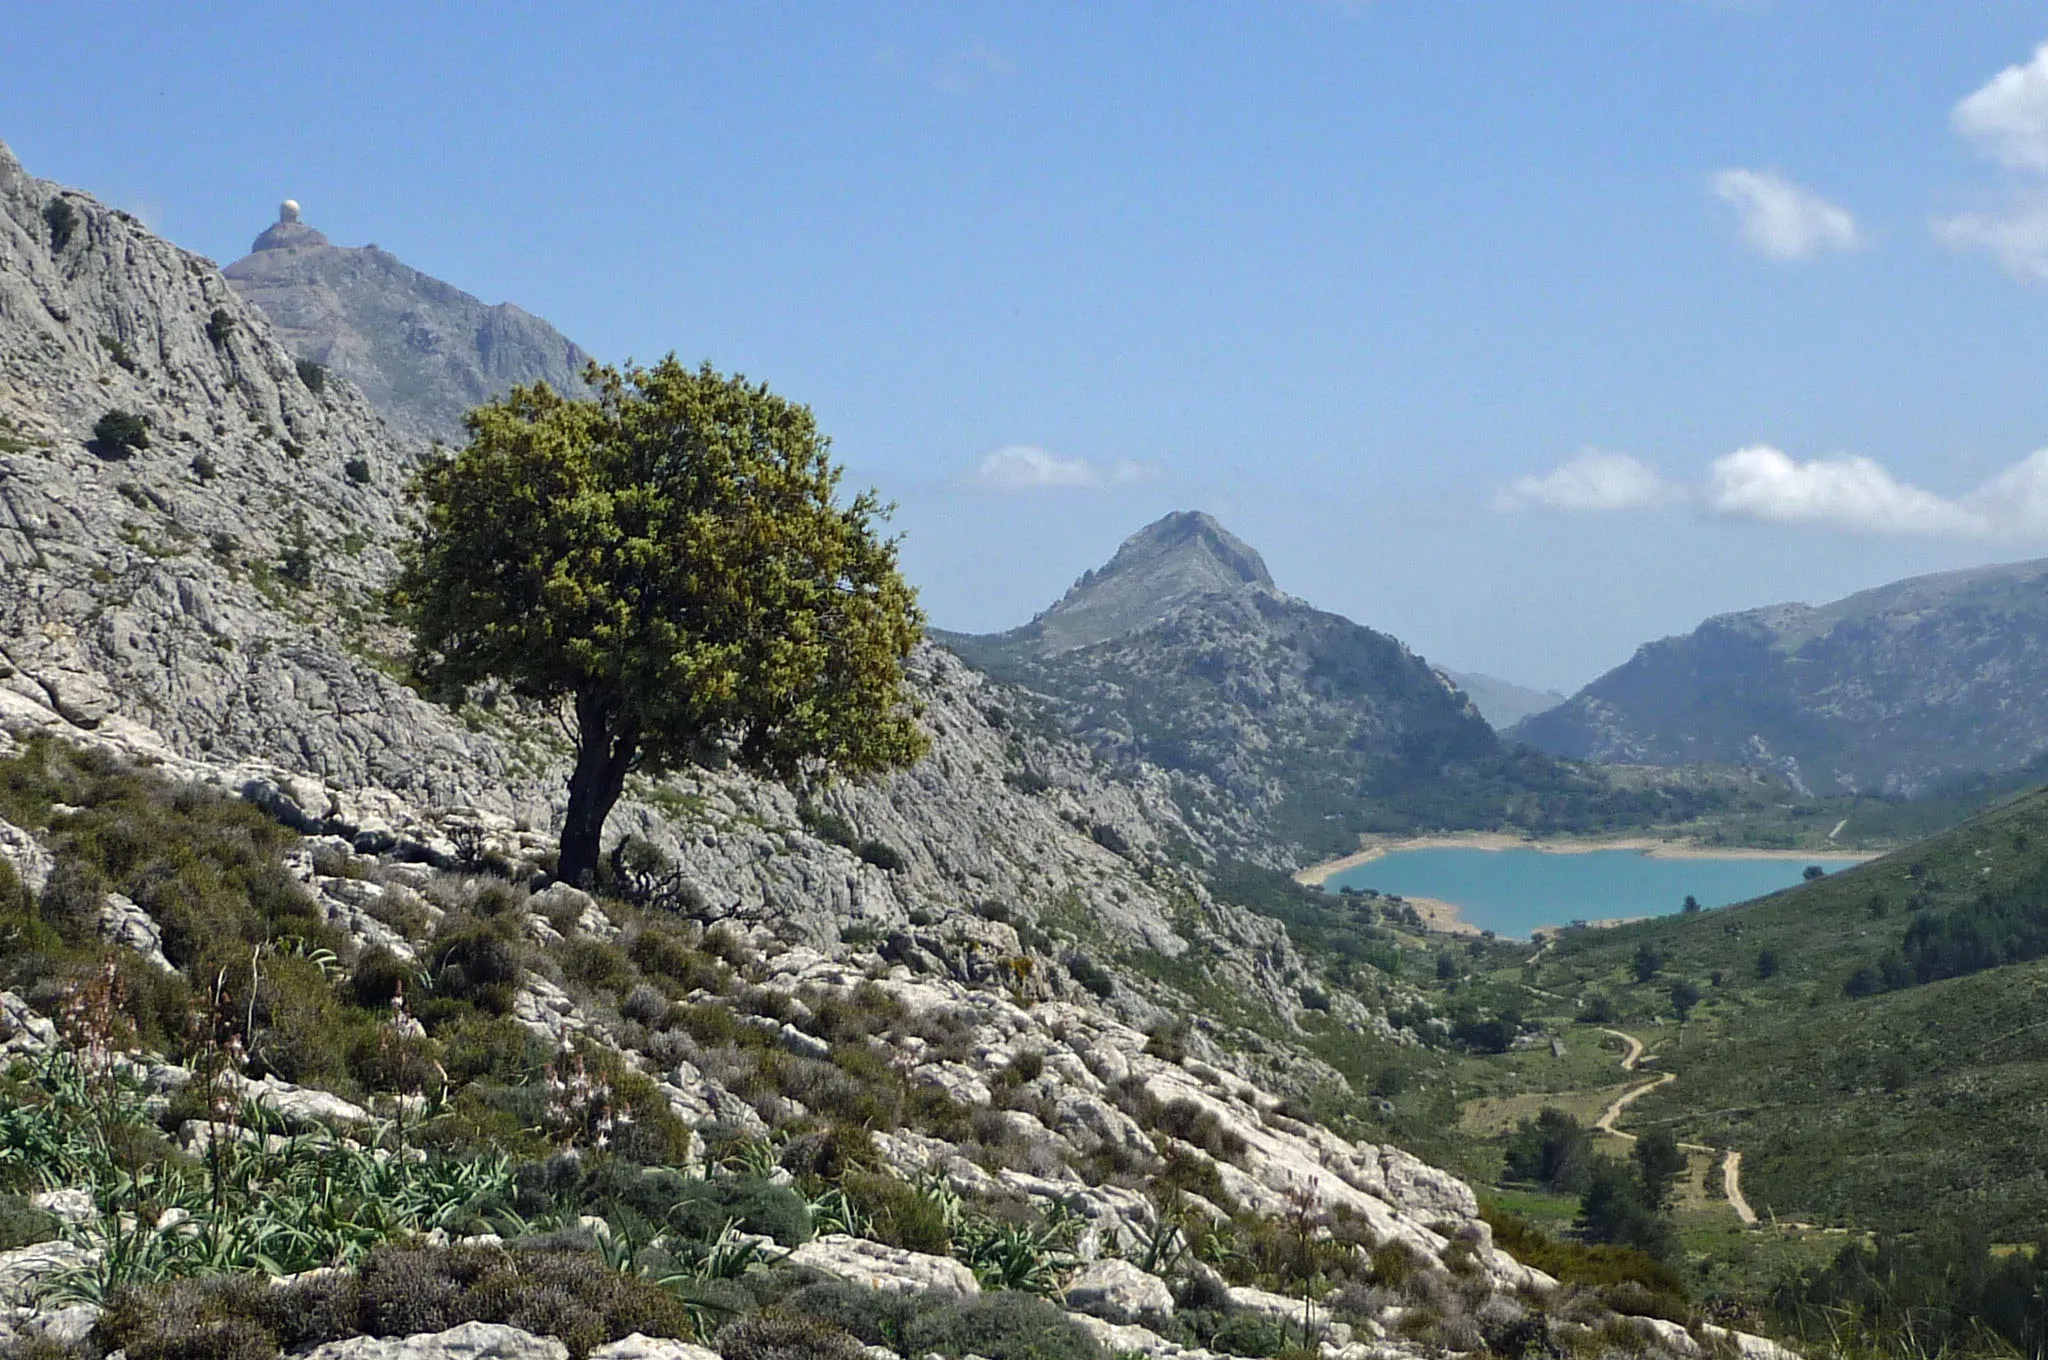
{"points": [[669, 563]]}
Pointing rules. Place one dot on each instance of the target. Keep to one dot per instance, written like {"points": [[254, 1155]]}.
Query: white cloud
{"points": [[1857, 495], [1854, 493], [2008, 117], [1783, 220], [2017, 237], [2007, 120], [1025, 467], [2015, 502], [1593, 481]]}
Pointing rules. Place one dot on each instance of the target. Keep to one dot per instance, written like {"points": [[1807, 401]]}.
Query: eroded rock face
{"points": [[1117, 1291], [470, 1341], [890, 1269]]}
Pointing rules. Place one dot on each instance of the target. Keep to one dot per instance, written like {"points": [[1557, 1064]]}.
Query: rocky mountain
{"points": [[1891, 690], [959, 1061], [1288, 730], [1503, 703], [424, 352]]}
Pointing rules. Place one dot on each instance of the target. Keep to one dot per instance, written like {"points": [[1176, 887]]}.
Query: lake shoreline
{"points": [[1316, 875]]}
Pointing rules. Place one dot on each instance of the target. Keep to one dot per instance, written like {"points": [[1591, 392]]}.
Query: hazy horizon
{"points": [[1526, 335]]}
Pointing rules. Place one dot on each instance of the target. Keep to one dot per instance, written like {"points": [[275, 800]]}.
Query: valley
{"points": [[1102, 1022]]}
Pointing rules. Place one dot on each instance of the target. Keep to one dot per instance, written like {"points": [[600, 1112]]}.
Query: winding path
{"points": [[1731, 1161]]}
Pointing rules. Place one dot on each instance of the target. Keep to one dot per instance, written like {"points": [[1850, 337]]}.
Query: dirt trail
{"points": [[1731, 1186], [1731, 1161]]}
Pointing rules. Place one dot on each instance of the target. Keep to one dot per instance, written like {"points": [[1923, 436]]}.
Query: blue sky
{"points": [[1525, 331]]}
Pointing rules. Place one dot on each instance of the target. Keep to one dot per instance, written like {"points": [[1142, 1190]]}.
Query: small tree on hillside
{"points": [[1659, 1161], [669, 563]]}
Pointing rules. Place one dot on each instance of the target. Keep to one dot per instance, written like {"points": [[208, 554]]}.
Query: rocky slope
{"points": [[984, 980], [1889, 691], [423, 351]]}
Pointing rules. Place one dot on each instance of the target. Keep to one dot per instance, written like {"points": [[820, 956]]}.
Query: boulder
{"points": [[1117, 1291], [23, 1269], [470, 1341], [889, 1269], [21, 1029], [638, 1347]]}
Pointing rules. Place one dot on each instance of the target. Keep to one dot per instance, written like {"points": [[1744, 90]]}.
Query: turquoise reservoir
{"points": [[1513, 892]]}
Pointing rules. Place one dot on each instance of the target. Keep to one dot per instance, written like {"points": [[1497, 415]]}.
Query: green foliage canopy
{"points": [[670, 558]]}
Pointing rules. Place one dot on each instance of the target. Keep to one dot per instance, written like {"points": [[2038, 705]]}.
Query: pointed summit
{"points": [[1182, 557]]}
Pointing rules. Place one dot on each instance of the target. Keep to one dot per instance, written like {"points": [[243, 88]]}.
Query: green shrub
{"points": [[478, 962], [62, 220], [312, 375], [777, 1336], [827, 825], [874, 1317], [1110, 839], [1582, 1263], [882, 855], [118, 352], [401, 1291], [221, 1318], [899, 1213], [220, 326], [22, 1224], [119, 433], [357, 470], [1091, 975], [295, 558], [204, 468], [703, 1208], [1249, 1334], [1001, 1326]]}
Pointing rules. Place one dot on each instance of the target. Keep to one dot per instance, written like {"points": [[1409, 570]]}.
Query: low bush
{"points": [[1249, 1334], [1110, 839], [220, 326], [62, 221], [899, 1213], [827, 825], [312, 375], [701, 1210], [1590, 1264], [780, 1336], [882, 855], [22, 1224], [874, 1317], [1090, 975], [478, 962], [1002, 1326], [119, 433], [357, 470]]}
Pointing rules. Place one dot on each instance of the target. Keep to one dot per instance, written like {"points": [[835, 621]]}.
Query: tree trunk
{"points": [[606, 747]]}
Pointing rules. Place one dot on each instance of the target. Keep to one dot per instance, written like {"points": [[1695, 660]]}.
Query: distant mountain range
{"points": [[1892, 690], [1503, 702], [424, 352], [1289, 723]]}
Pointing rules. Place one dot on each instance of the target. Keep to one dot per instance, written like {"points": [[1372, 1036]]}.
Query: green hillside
{"points": [[1875, 1043]]}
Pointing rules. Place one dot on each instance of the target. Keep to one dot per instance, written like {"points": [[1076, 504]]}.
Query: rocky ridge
{"points": [[1888, 691]]}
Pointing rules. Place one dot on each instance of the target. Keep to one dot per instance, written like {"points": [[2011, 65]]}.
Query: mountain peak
{"points": [[1180, 557], [288, 231], [423, 351]]}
